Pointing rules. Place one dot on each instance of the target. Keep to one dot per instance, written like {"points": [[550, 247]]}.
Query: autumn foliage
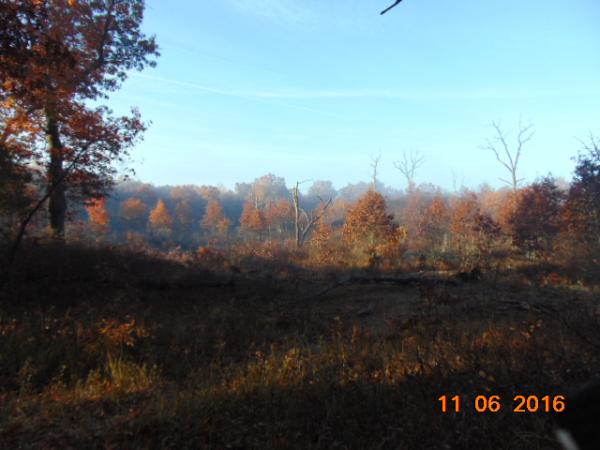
{"points": [[213, 215], [99, 217], [536, 220], [253, 219], [370, 229], [160, 218], [57, 56], [135, 212]]}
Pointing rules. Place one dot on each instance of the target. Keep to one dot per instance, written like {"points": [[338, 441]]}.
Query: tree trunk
{"points": [[57, 206], [297, 216]]}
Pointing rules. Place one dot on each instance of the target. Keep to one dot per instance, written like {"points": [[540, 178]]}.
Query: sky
{"points": [[312, 89]]}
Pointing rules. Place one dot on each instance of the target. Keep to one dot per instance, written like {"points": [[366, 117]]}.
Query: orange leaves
{"points": [[213, 215], [223, 225], [160, 218], [134, 211], [368, 218], [278, 213], [62, 54], [369, 227], [98, 215], [434, 223], [253, 219], [214, 220], [536, 218]]}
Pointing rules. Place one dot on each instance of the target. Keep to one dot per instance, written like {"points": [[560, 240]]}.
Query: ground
{"points": [[109, 349]]}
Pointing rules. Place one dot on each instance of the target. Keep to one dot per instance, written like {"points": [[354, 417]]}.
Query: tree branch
{"points": [[390, 7]]}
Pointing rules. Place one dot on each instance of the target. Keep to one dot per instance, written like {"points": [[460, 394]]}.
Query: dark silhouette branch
{"points": [[396, 3], [23, 227]]}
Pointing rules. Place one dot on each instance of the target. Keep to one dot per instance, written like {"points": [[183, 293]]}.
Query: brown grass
{"points": [[92, 356]]}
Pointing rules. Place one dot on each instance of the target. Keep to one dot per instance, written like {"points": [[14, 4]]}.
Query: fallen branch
{"points": [[163, 285], [413, 279]]}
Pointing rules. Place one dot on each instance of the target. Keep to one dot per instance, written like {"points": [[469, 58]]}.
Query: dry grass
{"points": [[91, 357]]}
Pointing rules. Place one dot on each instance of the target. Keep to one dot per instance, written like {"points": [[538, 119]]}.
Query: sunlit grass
{"points": [[254, 367]]}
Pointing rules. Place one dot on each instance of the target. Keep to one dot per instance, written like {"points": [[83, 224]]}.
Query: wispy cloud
{"points": [[262, 97], [369, 93], [286, 12]]}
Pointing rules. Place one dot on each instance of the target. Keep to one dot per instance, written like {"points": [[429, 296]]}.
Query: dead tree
{"points": [[374, 166], [509, 159], [408, 166], [302, 230]]}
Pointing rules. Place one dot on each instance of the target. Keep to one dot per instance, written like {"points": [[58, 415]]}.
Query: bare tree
{"points": [[374, 165], [509, 159], [310, 219], [408, 166]]}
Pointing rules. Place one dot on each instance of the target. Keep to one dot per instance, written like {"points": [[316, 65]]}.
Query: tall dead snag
{"points": [[509, 159], [408, 166], [374, 166], [301, 230]]}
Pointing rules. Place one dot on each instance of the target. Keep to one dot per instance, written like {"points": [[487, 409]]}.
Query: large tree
{"points": [[56, 56], [582, 212], [369, 230], [536, 219]]}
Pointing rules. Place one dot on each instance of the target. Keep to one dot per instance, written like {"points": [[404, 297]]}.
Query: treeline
{"points": [[362, 224]]}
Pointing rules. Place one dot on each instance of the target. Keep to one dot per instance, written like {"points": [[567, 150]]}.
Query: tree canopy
{"points": [[56, 56]]}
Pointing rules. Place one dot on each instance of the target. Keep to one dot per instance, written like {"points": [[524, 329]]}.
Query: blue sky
{"points": [[309, 89]]}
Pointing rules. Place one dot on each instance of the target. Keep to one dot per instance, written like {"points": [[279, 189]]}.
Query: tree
{"points": [[370, 229], [160, 218], [303, 222], [18, 134], [322, 189], [253, 219], [214, 220], [99, 217], [473, 233], [321, 242], [434, 224], [213, 215], [536, 220], [408, 166], [509, 159], [268, 188], [374, 165], [184, 215], [278, 215], [464, 215], [135, 212], [411, 215], [56, 56], [582, 209]]}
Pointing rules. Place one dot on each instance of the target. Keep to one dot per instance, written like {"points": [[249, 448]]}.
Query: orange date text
{"points": [[519, 404]]}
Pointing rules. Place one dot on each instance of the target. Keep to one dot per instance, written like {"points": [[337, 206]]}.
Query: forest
{"points": [[279, 313]]}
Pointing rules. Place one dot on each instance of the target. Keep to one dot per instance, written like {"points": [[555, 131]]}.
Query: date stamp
{"points": [[519, 404]]}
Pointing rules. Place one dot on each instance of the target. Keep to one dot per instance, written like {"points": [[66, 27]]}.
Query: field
{"points": [[113, 349]]}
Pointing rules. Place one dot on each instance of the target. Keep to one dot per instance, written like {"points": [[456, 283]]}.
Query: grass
{"points": [[92, 356]]}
